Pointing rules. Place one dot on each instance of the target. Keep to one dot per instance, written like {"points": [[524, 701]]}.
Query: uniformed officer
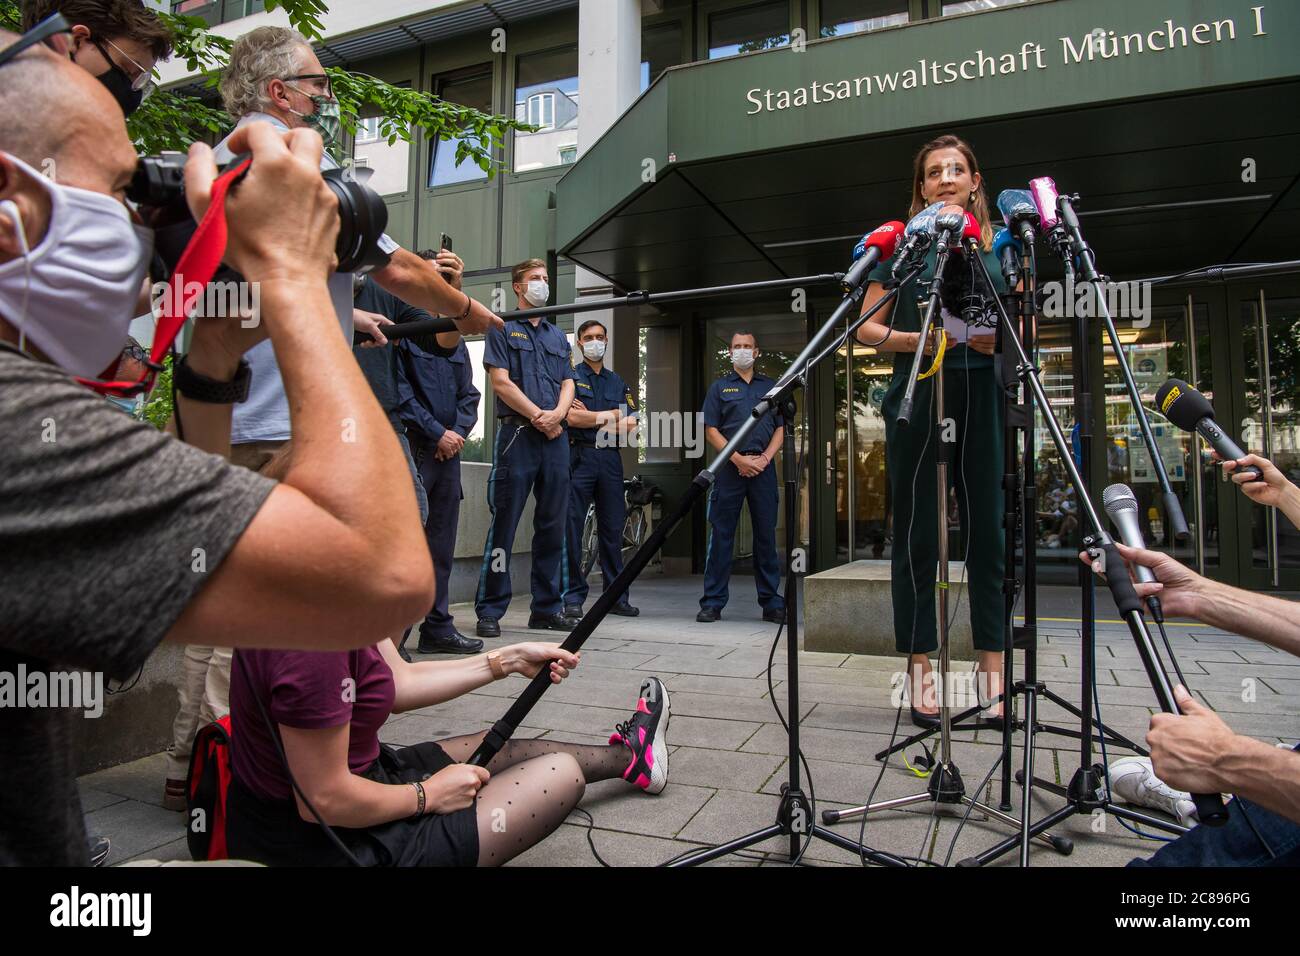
{"points": [[439, 406], [945, 169], [603, 411], [748, 477], [530, 367]]}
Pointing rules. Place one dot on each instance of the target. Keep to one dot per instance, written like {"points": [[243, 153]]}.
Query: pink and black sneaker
{"points": [[646, 735]]}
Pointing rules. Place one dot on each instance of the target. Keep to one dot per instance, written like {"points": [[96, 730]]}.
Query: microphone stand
{"points": [[794, 813], [1088, 267], [1082, 795]]}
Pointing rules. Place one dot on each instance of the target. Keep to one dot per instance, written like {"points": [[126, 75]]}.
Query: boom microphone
{"points": [[919, 233], [875, 246], [1191, 411], [1019, 213], [1008, 249]]}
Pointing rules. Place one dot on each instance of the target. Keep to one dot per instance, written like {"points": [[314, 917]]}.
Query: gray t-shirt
{"points": [[265, 415], [100, 516]]}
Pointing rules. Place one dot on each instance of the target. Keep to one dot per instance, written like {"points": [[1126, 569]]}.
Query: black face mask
{"points": [[119, 84]]}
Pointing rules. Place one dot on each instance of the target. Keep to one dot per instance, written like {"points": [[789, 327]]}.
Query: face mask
{"points": [[119, 84], [539, 292], [127, 405], [325, 120], [594, 350], [742, 358], [74, 295]]}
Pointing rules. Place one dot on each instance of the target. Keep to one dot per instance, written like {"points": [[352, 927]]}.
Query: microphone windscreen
{"points": [[1182, 404], [1013, 203], [1043, 191], [1118, 497], [923, 221], [1004, 238]]}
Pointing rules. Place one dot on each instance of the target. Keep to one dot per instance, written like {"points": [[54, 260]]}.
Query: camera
{"points": [[158, 187]]}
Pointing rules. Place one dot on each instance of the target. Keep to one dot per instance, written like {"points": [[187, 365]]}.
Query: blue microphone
{"points": [[1019, 212], [1008, 249]]}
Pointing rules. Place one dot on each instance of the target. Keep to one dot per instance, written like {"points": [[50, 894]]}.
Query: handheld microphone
{"points": [[1008, 249], [1121, 504], [971, 228], [1019, 213], [1043, 192], [947, 224], [875, 246], [919, 233], [1192, 412]]}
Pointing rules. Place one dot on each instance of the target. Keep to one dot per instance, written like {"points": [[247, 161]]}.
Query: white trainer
{"points": [[1134, 781]]}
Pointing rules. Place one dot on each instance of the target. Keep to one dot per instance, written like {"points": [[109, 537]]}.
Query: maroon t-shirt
{"points": [[306, 690]]}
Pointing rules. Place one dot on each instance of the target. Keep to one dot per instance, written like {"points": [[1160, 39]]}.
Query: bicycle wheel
{"points": [[633, 531], [590, 543]]}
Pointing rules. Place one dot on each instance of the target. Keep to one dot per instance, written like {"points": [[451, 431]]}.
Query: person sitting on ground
{"points": [[1196, 751], [408, 806]]}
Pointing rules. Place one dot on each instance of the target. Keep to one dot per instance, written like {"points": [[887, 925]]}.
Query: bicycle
{"points": [[638, 496]]}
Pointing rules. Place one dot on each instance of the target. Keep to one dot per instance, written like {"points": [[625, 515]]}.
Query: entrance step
{"points": [[850, 610]]}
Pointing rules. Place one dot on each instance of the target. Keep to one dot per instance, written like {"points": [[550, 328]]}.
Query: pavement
{"points": [[728, 750]]}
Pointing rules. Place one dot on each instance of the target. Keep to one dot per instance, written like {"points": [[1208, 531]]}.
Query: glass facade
{"points": [[760, 26], [473, 88], [546, 96], [842, 17]]}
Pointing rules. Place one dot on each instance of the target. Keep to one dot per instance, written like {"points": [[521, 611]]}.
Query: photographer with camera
{"points": [[114, 536], [1196, 750]]}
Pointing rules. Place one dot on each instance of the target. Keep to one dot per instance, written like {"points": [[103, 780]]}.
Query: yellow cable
{"points": [[938, 356]]}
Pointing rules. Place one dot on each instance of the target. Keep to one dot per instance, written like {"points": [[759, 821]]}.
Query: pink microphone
{"points": [[1043, 191]]}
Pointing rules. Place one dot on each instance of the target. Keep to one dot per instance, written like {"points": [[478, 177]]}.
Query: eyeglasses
{"points": [[317, 77], [53, 31], [143, 79]]}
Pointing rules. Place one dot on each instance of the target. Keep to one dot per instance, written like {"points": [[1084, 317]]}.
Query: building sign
{"points": [[1031, 57]]}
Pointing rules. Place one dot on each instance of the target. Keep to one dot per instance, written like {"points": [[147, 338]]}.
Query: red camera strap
{"points": [[198, 264]]}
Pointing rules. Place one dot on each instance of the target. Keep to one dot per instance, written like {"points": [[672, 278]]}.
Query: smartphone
{"points": [[445, 242]]}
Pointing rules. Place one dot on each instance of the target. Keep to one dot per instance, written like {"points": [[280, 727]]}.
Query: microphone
{"points": [[1007, 248], [1043, 192], [1192, 412], [919, 233], [874, 246], [971, 228], [1121, 504], [1019, 213], [948, 223]]}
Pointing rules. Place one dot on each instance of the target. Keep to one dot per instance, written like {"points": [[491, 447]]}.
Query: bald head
{"points": [[53, 112]]}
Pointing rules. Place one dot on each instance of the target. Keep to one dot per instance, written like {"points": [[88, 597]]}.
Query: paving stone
{"points": [[92, 799], [616, 806], [140, 780], [696, 766], [135, 827]]}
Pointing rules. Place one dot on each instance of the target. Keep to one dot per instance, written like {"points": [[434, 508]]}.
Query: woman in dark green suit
{"points": [[945, 170]]}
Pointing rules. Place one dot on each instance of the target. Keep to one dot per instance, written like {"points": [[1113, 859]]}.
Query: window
{"points": [[967, 6], [546, 95], [472, 88], [391, 165], [568, 155], [476, 448], [842, 17], [661, 47], [763, 26], [541, 110], [368, 130]]}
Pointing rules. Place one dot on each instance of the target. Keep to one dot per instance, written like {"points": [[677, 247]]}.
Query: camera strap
{"points": [[198, 264]]}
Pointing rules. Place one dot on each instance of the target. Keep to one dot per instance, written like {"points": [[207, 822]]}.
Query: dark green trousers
{"points": [[973, 403]]}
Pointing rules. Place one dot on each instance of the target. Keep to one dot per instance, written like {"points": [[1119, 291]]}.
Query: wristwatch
{"points": [[200, 388], [495, 665]]}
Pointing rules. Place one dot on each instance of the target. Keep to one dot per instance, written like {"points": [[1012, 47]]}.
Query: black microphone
{"points": [[1019, 213], [1192, 412], [1121, 504]]}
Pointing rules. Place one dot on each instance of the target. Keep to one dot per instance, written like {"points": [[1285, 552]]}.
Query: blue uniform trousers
{"points": [[441, 482], [729, 492], [596, 474], [524, 461]]}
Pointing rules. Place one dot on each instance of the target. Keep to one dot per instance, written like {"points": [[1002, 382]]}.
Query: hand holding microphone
{"points": [[1187, 408]]}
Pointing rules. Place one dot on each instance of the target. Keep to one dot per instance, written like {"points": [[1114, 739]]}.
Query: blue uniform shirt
{"points": [[538, 360], [730, 403], [436, 392], [599, 393]]}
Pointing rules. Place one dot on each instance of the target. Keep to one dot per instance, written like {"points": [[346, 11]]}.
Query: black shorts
{"points": [[272, 832]]}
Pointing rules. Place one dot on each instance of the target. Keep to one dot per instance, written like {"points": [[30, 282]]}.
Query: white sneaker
{"points": [[1134, 781]]}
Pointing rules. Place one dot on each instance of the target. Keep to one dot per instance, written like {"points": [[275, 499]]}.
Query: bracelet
{"points": [[495, 665], [469, 304], [419, 799]]}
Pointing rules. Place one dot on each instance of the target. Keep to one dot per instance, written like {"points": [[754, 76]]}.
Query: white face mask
{"points": [[538, 292], [74, 295], [594, 350], [742, 358]]}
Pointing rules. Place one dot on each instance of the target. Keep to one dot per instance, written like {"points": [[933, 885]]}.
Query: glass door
{"points": [[862, 507], [1266, 421]]}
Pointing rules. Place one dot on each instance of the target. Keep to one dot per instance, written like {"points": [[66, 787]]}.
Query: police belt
{"points": [[521, 421]]}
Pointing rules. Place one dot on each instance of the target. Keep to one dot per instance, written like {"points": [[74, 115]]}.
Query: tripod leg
{"points": [[1061, 845], [1031, 718]]}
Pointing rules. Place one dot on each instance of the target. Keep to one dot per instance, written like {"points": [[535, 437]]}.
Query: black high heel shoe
{"points": [[924, 721], [919, 719]]}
